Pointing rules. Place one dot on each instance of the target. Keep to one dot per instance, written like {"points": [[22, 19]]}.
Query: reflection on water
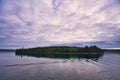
{"points": [[92, 56], [39, 68]]}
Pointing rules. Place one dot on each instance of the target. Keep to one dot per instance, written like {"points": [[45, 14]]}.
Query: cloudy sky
{"points": [[33, 23]]}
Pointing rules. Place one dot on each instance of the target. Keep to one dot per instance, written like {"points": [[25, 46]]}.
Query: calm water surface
{"points": [[14, 67]]}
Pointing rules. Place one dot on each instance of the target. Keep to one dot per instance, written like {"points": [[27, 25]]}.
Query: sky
{"points": [[36, 23]]}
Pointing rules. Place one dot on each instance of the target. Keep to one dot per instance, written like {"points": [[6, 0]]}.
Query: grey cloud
{"points": [[35, 23], [56, 4]]}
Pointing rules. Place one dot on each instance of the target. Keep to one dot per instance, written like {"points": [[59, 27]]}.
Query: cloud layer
{"points": [[31, 23]]}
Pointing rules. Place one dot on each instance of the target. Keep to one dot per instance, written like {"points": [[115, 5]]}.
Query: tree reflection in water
{"points": [[87, 56]]}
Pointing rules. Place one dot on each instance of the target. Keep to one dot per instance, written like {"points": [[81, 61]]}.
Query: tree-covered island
{"points": [[62, 52]]}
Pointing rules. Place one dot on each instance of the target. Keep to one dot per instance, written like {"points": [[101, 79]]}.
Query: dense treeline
{"points": [[61, 49]]}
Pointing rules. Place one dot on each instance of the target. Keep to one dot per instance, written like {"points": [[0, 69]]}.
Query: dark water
{"points": [[14, 67]]}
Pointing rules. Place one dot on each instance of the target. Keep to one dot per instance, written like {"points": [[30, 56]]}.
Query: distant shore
{"points": [[7, 50], [114, 50]]}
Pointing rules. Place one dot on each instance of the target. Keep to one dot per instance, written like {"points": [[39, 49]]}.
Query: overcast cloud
{"points": [[30, 23]]}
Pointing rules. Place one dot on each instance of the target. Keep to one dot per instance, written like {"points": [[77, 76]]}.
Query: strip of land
{"points": [[7, 50]]}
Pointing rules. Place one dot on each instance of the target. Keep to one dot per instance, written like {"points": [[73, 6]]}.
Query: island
{"points": [[62, 52]]}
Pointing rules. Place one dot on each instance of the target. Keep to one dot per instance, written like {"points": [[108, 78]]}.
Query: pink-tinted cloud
{"points": [[49, 22]]}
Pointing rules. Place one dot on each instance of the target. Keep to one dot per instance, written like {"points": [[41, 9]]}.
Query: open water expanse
{"points": [[13, 67]]}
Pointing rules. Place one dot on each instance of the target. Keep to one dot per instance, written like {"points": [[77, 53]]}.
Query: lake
{"points": [[13, 67]]}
